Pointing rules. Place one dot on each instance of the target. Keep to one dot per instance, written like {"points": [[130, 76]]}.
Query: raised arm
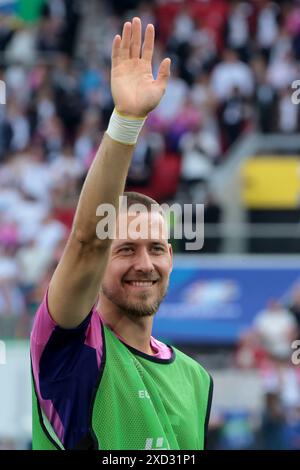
{"points": [[76, 281]]}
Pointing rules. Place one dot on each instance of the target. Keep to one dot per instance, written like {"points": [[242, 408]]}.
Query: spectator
{"points": [[282, 72], [249, 353], [276, 328], [173, 99], [88, 136], [233, 116], [199, 149], [34, 176], [265, 97], [48, 39], [66, 167], [287, 113], [149, 147], [6, 134], [19, 126], [238, 28], [267, 26], [273, 423], [294, 306], [282, 379], [12, 302], [68, 97], [230, 74]]}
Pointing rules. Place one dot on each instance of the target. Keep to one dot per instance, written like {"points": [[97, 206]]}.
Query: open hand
{"points": [[134, 90]]}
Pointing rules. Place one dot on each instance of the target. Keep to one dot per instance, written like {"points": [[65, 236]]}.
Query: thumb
{"points": [[163, 73]]}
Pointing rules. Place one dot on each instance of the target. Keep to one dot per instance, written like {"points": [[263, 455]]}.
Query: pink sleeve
{"points": [[44, 325]]}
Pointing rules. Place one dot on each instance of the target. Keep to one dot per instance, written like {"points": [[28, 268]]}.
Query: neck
{"points": [[134, 331]]}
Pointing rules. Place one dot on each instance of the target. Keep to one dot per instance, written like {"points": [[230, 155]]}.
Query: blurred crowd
{"points": [[232, 68], [269, 352], [272, 346]]}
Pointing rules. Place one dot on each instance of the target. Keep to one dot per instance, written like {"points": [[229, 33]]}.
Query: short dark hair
{"points": [[139, 198]]}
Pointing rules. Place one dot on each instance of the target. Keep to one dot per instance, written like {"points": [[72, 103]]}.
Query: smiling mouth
{"points": [[140, 283]]}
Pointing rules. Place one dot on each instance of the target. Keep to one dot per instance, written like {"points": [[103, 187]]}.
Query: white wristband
{"points": [[124, 129]]}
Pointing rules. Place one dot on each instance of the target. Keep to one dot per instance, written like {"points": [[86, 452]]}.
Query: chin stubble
{"points": [[137, 310]]}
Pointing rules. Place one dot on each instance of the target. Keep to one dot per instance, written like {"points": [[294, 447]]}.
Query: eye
{"points": [[158, 249], [126, 250]]}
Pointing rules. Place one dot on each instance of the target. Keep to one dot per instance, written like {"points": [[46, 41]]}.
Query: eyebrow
{"points": [[133, 244], [122, 244]]}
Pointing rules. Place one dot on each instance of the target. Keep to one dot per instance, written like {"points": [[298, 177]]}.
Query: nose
{"points": [[143, 262]]}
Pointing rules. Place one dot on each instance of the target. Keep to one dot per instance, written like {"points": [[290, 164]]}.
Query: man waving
{"points": [[100, 380]]}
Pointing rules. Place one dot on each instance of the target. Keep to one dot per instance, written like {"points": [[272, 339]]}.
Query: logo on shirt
{"points": [[144, 394], [159, 444]]}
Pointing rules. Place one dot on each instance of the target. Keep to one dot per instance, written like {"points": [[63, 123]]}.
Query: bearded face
{"points": [[137, 275]]}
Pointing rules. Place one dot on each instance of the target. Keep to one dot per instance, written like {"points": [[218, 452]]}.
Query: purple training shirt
{"points": [[66, 365]]}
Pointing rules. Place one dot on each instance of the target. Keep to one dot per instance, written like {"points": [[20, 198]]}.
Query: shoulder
{"points": [[44, 327], [191, 364]]}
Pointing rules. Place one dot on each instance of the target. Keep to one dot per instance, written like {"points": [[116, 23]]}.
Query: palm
{"points": [[134, 90]]}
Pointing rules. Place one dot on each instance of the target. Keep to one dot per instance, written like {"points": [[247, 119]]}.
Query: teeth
{"points": [[141, 283]]}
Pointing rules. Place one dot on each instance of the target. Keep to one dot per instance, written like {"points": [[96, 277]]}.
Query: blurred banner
{"points": [[215, 300], [271, 182], [8, 6], [27, 10]]}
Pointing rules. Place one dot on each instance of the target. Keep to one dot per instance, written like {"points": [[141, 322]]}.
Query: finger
{"points": [[164, 73], [125, 42], [136, 38], [116, 51], [148, 45]]}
